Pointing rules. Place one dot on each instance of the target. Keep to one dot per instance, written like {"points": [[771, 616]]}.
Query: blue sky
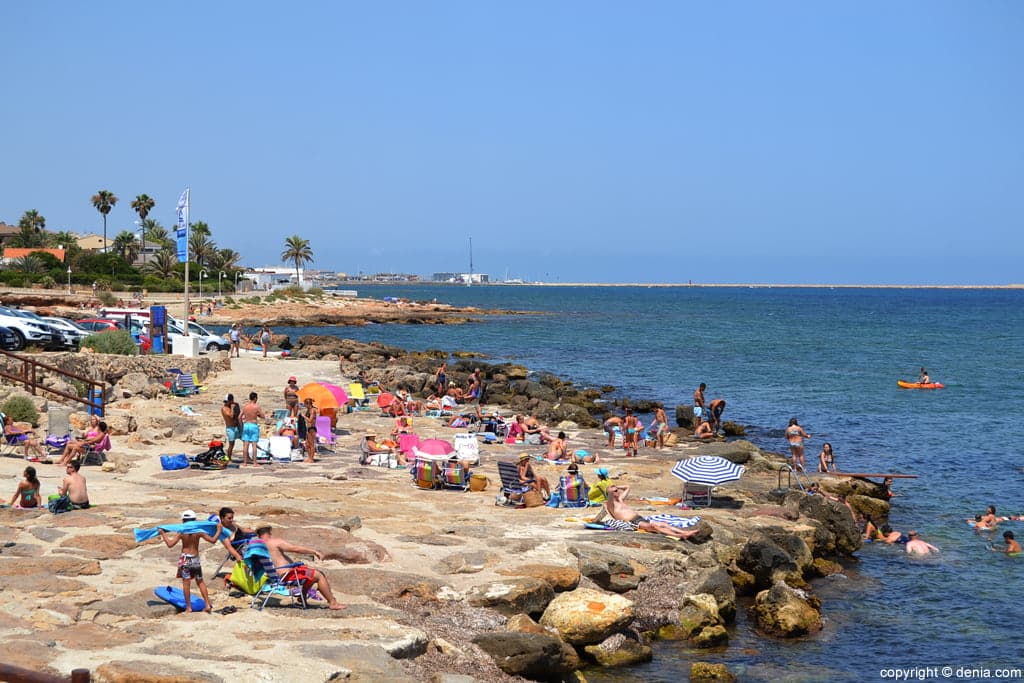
{"points": [[788, 142]]}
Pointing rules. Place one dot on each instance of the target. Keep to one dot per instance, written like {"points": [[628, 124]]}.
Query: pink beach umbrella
{"points": [[435, 447], [337, 392]]}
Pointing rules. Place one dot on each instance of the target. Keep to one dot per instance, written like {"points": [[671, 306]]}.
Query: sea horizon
{"points": [[703, 285]]}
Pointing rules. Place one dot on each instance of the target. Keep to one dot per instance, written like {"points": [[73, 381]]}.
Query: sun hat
{"points": [[370, 432], [188, 516], [602, 471], [292, 379], [524, 456]]}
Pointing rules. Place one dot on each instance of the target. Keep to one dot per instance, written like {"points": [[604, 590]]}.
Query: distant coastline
{"points": [[688, 285]]}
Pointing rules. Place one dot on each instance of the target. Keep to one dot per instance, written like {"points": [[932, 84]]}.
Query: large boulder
{"points": [[762, 558], [619, 650], [738, 452], [522, 595], [608, 569], [717, 583], [786, 612], [586, 616], [874, 508], [839, 534], [708, 672], [537, 656], [684, 417]]}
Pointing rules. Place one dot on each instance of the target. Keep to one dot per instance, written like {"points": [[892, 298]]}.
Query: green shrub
{"points": [[106, 297], [48, 282], [21, 409], [112, 341]]}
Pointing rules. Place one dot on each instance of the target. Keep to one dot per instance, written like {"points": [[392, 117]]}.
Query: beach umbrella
{"points": [[339, 394], [321, 396], [710, 470], [385, 399], [435, 447]]}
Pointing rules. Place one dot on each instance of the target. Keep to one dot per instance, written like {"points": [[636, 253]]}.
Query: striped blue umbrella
{"points": [[710, 470]]}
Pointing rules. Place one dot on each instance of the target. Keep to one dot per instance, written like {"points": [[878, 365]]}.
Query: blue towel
{"points": [[186, 528], [677, 522]]}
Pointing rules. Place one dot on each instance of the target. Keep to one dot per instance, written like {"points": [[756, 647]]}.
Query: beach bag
{"points": [[671, 439], [59, 504], [174, 462], [214, 456], [244, 580], [532, 499], [478, 482]]}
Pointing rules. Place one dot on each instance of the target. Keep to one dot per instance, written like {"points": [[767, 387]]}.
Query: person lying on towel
{"points": [[625, 518]]}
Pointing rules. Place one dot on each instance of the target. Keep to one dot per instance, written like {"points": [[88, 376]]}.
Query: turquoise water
{"points": [[830, 358]]}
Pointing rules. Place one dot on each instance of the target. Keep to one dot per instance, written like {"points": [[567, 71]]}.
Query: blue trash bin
{"points": [[96, 402]]}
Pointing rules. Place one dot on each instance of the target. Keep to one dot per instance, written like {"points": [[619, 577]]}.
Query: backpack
{"points": [[214, 456]]}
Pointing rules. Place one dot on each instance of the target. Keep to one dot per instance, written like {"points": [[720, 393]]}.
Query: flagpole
{"points": [[188, 227]]}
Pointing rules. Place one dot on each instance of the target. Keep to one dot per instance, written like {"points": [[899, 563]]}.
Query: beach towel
{"points": [[186, 528], [677, 522]]}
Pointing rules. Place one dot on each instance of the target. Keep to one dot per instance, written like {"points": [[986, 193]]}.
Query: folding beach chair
{"points": [[260, 564], [279, 414], [467, 448], [97, 451], [324, 432], [358, 396], [511, 487], [184, 386], [426, 474], [454, 476], [573, 491]]}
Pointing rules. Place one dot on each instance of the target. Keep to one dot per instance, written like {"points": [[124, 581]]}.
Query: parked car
{"points": [[99, 324], [208, 341], [8, 340], [67, 327], [29, 331], [63, 339]]}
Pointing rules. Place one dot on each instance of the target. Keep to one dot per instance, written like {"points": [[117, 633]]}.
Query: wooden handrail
{"points": [[96, 397], [14, 674]]}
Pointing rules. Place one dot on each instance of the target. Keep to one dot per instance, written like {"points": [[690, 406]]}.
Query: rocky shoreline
{"points": [[440, 585]]}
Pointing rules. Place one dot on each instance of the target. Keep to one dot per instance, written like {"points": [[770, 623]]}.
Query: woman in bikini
{"points": [[291, 397], [28, 491], [26, 439], [826, 459], [795, 435], [557, 448]]}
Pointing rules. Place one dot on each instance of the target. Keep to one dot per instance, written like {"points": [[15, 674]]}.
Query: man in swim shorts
{"points": [[716, 408], [698, 403], [232, 427], [249, 416], [618, 510]]}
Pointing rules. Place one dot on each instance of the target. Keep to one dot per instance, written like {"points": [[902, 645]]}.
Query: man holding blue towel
{"points": [[189, 566]]}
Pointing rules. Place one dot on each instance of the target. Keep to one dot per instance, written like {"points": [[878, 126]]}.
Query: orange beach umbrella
{"points": [[322, 397]]}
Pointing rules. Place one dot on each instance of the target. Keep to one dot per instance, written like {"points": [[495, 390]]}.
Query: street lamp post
{"points": [[219, 278], [69, 279], [236, 282], [202, 274], [142, 239]]}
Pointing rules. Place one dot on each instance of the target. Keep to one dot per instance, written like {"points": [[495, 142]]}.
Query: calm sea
{"points": [[830, 357]]}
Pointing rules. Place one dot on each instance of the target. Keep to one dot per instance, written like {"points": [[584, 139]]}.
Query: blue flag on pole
{"points": [[182, 232]]}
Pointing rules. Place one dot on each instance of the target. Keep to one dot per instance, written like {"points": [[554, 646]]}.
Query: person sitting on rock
{"points": [[535, 432], [558, 449], [624, 518], [598, 493], [704, 430]]}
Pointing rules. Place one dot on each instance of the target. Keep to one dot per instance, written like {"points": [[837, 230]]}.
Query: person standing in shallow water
{"points": [[795, 435]]}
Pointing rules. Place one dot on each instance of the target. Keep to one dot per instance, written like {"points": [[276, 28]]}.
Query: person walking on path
{"points": [[265, 339], [795, 435], [232, 427], [250, 415], [235, 337]]}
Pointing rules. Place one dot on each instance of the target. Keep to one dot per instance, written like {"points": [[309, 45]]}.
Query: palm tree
{"points": [[200, 228], [200, 246], [67, 240], [29, 263], [143, 204], [152, 229], [298, 251], [126, 245], [104, 201], [163, 265], [32, 234], [224, 259]]}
